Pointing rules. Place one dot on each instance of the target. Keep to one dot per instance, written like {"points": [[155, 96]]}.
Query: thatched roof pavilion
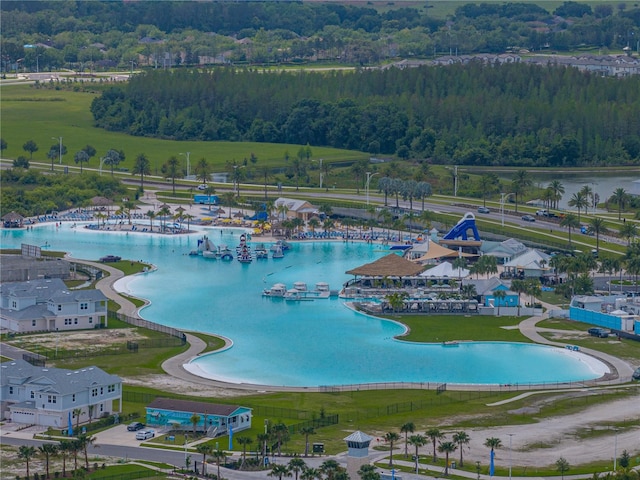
{"points": [[391, 265], [13, 220]]}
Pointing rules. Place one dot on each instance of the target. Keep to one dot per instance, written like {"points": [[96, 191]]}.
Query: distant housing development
{"points": [[47, 305], [55, 397]]}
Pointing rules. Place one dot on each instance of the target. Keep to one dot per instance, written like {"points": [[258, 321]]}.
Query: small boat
{"points": [[300, 286], [276, 290], [277, 252]]}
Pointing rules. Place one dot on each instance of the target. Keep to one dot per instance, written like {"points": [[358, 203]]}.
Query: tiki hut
{"points": [[13, 220]]}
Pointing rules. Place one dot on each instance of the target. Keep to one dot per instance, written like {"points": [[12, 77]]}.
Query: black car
{"points": [[132, 427], [484, 210], [528, 218]]}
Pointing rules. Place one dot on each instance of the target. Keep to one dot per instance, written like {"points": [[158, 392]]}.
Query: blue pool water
{"points": [[297, 343]]}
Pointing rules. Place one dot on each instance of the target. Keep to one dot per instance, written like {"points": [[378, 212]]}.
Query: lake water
{"points": [[314, 343]]}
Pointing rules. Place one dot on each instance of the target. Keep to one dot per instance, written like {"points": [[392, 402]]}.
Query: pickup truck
{"points": [[546, 213]]}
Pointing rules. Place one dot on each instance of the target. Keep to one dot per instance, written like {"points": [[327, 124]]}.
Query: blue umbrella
{"points": [[70, 427]]}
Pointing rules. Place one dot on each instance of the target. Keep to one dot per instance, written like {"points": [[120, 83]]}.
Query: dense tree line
{"points": [[29, 192], [470, 115], [94, 34]]}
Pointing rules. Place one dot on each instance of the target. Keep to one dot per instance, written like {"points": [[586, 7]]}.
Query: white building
{"points": [[49, 396], [47, 305]]}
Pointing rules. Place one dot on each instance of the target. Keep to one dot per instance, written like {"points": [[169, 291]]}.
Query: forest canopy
{"points": [[512, 114]]}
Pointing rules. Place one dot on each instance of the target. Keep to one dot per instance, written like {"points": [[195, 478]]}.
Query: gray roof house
{"points": [[49, 396], [47, 305]]}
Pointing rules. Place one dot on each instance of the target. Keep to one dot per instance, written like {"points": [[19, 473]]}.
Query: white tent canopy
{"points": [[445, 269]]}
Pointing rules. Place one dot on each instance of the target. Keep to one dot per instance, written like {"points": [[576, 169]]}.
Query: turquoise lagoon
{"points": [[278, 343]]}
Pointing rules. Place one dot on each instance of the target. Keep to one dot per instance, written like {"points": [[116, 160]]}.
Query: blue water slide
{"points": [[460, 229]]}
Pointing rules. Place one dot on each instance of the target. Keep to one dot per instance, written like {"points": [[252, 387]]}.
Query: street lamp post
{"points": [[102, 160], [59, 148], [369, 175], [188, 163], [615, 452]]}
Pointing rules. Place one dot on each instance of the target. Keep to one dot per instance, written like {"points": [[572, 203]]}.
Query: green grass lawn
{"points": [[442, 328], [39, 114]]}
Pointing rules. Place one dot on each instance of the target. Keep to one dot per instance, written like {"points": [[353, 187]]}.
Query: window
{"points": [[59, 308], [90, 320], [101, 407], [10, 390], [101, 390], [94, 392], [73, 397], [84, 306], [14, 304], [111, 388], [67, 321], [75, 321], [33, 395], [33, 322], [52, 399]]}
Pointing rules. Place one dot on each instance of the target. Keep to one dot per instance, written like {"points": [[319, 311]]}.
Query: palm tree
{"points": [[390, 438], [460, 263], [598, 226], [557, 189], [417, 441], [194, 420], [330, 468], [447, 448], [171, 171], [263, 438], [279, 470], [306, 431], [498, 295], [407, 428], [296, 465], [311, 474], [219, 456], [493, 443], [142, 167], [468, 291], [520, 184], [434, 434], [620, 197], [77, 413], [203, 170], [461, 439], [628, 230], [204, 449], [64, 447], [75, 448], [26, 453], [84, 441], [48, 450], [519, 287], [368, 472], [579, 201], [587, 191], [281, 433], [570, 221], [244, 441], [81, 157], [488, 184]]}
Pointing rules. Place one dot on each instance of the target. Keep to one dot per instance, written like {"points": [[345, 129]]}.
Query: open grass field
{"points": [[39, 114]]}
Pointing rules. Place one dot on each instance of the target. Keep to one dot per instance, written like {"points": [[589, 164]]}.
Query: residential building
{"points": [[47, 305], [52, 397], [212, 419]]}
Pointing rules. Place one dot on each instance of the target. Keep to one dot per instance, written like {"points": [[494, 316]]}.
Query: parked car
{"points": [[484, 210], [145, 434], [202, 186], [135, 426], [598, 332], [528, 218], [636, 374]]}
